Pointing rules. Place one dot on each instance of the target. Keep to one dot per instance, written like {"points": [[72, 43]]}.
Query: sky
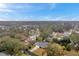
{"points": [[39, 11]]}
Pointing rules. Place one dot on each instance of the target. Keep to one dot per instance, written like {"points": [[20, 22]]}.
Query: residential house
{"points": [[33, 37], [41, 44], [57, 35], [49, 38], [67, 33]]}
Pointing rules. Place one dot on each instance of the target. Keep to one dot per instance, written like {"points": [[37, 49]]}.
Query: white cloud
{"points": [[5, 8], [2, 5], [4, 20], [76, 18], [28, 7], [23, 6]]}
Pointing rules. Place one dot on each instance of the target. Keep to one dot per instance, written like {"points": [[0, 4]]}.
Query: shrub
{"points": [[55, 49], [11, 46]]}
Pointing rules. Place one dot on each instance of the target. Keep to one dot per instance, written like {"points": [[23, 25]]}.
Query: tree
{"points": [[65, 41], [55, 49], [12, 35], [11, 46], [74, 37], [39, 39]]}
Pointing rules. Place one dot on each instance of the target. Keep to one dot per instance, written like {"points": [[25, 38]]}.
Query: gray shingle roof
{"points": [[41, 44]]}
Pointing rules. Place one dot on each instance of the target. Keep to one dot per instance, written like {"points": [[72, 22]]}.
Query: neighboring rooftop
{"points": [[41, 44]]}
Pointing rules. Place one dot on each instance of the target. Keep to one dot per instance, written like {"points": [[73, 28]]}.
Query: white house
{"points": [[33, 37]]}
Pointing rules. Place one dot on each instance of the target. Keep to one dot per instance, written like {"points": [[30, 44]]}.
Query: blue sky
{"points": [[39, 11]]}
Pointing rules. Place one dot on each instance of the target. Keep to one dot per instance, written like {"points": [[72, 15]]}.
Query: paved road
{"points": [[3, 54]]}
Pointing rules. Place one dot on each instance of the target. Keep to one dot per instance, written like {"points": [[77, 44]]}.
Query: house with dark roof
{"points": [[41, 44]]}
